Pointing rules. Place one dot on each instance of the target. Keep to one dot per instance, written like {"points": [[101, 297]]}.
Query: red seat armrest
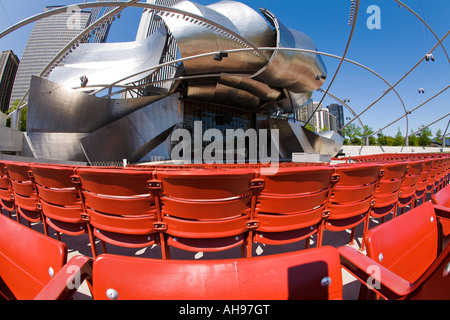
{"points": [[65, 283], [372, 274], [442, 212]]}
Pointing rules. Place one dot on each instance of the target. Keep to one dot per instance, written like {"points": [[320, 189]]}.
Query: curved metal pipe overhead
{"points": [[400, 80], [411, 111], [426, 25], [353, 22]]}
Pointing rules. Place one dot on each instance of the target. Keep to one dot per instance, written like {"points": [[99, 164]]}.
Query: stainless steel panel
{"points": [[295, 138], [194, 37], [11, 140], [131, 135], [292, 70], [222, 94], [336, 137], [56, 145], [106, 63], [56, 108], [259, 89]]}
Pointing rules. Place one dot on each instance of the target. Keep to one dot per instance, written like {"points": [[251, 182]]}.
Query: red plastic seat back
{"points": [[423, 177], [291, 205], [20, 180], [389, 185], [4, 182], [118, 200], [204, 205], [408, 244], [293, 190], [308, 274], [435, 283], [442, 197], [352, 194], [432, 176], [209, 194], [25, 196], [409, 184], [6, 194], [58, 195], [27, 259]]}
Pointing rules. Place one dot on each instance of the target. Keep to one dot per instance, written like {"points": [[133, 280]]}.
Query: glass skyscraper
{"points": [[9, 63], [337, 111], [48, 37]]}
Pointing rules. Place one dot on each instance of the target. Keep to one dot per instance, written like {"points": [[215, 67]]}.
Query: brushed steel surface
{"points": [[130, 136], [292, 70], [194, 37], [105, 63], [64, 146], [56, 108]]}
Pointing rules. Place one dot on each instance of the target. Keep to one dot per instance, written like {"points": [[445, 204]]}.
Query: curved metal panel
{"points": [[222, 94], [104, 63], [140, 134], [194, 37], [259, 89], [250, 24], [63, 146], [294, 71], [55, 108]]}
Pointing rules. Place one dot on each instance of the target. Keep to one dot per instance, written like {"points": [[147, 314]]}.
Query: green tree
{"points": [[23, 116], [425, 136], [413, 139], [310, 127], [353, 133], [438, 136], [399, 139], [368, 132], [382, 139]]}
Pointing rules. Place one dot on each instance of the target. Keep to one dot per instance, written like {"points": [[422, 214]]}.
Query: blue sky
{"points": [[391, 51]]}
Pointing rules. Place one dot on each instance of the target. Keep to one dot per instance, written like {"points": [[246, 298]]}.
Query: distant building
{"points": [[321, 118], [9, 63], [102, 33], [338, 112], [49, 36]]}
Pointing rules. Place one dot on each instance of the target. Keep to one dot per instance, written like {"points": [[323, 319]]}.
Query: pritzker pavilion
{"points": [[216, 64], [198, 160]]}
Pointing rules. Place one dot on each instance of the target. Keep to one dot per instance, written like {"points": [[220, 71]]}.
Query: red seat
{"points": [[409, 184], [441, 200], [291, 205], [432, 176], [441, 174], [28, 260], [422, 182], [351, 197], [387, 192], [6, 193], [404, 260], [59, 198], [209, 210], [313, 274], [120, 207], [25, 197]]}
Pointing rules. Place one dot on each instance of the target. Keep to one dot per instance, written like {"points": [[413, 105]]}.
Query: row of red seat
{"points": [[217, 208], [405, 260]]}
